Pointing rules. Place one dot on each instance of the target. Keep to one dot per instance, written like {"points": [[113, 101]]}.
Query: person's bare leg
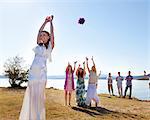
{"points": [[65, 97], [95, 102], [112, 90], [109, 89], [69, 98]]}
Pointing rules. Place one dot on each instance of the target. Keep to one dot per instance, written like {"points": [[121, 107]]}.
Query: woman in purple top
{"points": [[69, 82], [128, 84]]}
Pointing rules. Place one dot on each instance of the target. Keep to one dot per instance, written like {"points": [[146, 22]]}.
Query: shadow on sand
{"points": [[100, 111], [93, 111]]}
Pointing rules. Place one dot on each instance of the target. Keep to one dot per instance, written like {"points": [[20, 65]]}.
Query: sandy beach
{"points": [[109, 108]]}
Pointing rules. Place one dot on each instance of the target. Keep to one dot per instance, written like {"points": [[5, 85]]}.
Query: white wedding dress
{"points": [[33, 107]]}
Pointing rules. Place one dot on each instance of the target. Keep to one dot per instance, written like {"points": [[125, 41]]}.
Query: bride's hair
{"points": [[47, 43]]}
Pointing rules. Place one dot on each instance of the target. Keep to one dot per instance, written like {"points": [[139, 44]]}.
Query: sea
{"points": [[140, 88]]}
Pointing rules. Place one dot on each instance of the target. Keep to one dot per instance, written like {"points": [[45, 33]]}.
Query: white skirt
{"points": [[33, 107], [92, 94]]}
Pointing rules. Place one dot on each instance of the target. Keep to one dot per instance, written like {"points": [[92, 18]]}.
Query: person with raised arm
{"points": [[69, 82], [92, 85], [33, 107], [80, 87]]}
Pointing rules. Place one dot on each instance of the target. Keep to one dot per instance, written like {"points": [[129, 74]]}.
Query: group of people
{"points": [[81, 99], [119, 80], [33, 107]]}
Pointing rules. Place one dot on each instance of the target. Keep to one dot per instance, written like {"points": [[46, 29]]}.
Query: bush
{"points": [[15, 71]]}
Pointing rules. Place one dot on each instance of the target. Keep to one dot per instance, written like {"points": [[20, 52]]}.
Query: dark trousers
{"points": [[128, 86]]}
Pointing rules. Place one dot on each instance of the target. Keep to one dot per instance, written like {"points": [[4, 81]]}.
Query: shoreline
{"points": [[105, 94], [140, 89]]}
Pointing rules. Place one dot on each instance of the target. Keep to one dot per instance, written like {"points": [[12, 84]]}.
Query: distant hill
{"points": [[56, 77], [2, 76], [63, 77], [140, 77]]}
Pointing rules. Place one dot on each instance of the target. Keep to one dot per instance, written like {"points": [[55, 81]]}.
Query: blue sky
{"points": [[116, 33]]}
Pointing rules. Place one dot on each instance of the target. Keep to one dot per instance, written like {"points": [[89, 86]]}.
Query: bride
{"points": [[33, 107]]}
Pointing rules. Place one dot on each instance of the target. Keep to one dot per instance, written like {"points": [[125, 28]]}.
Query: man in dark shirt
{"points": [[128, 84]]}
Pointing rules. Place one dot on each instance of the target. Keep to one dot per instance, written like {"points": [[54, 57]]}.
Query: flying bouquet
{"points": [[81, 21]]}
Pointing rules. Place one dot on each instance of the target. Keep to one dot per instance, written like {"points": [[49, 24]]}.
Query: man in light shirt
{"points": [[119, 80]]}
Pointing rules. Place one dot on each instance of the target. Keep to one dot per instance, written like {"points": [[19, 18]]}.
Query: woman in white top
{"points": [[92, 85], [110, 86], [33, 107]]}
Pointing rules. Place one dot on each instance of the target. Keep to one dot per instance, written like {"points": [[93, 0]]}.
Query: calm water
{"points": [[140, 89]]}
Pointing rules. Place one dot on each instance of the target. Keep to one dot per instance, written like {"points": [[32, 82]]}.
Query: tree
{"points": [[15, 71]]}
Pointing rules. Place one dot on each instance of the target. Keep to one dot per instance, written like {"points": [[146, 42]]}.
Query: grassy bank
{"points": [[109, 108]]}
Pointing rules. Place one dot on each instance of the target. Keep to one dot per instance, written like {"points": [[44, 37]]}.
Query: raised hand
{"points": [[51, 17], [99, 73], [86, 59], [92, 58], [48, 19], [75, 62], [84, 66], [87, 64]]}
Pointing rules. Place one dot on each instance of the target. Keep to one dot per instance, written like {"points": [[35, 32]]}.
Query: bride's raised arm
{"points": [[52, 31], [42, 28]]}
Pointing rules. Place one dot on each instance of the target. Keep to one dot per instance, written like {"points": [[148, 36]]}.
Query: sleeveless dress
{"points": [[80, 92], [69, 85], [33, 107], [92, 90], [69, 82]]}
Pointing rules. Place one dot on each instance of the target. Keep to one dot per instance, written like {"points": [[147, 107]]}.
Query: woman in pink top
{"points": [[69, 82]]}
